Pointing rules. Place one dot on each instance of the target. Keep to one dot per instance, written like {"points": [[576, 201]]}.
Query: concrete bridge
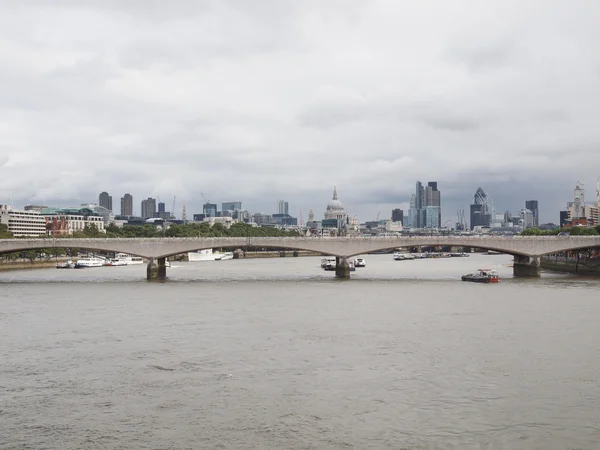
{"points": [[527, 250]]}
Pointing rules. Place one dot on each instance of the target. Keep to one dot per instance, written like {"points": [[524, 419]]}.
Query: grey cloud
{"points": [[263, 100]]}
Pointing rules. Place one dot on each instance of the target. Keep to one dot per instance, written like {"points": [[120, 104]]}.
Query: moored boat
{"points": [[360, 262], [399, 256], [89, 262], [66, 265], [326, 260], [128, 259], [482, 276]]}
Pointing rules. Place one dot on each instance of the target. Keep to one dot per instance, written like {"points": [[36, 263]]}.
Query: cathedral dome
{"points": [[335, 204]]}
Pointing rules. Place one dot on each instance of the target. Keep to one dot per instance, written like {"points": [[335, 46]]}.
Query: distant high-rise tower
{"points": [[311, 216], [432, 206], [209, 209], [105, 200], [148, 208], [598, 193], [184, 214], [481, 215], [532, 205], [282, 207], [579, 201], [127, 205], [397, 215]]}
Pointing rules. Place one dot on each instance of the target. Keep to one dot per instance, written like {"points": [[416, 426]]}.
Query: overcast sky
{"points": [[267, 99]]}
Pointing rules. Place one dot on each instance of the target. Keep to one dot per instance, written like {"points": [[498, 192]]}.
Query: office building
{"points": [[231, 206], [209, 209], [148, 208], [397, 215], [66, 221], [532, 205], [34, 207], [563, 218], [105, 200], [425, 206], [432, 206], [127, 205], [23, 223], [262, 219], [282, 207], [526, 220], [481, 213]]}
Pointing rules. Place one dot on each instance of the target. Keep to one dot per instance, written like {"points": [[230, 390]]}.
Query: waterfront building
{"points": [[105, 200], [481, 213], [61, 221], [282, 207], [23, 223], [127, 205], [149, 208], [532, 205]]}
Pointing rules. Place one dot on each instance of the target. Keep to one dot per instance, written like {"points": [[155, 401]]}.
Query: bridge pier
{"points": [[526, 266], [157, 269], [342, 268]]}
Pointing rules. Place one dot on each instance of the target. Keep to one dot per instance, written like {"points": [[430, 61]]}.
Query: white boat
{"points": [[66, 265], [360, 262], [89, 262], [208, 255], [224, 256], [400, 256], [328, 260], [128, 259], [116, 262]]}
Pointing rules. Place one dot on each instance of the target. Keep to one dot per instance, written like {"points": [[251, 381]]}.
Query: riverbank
{"points": [[581, 267], [26, 264]]}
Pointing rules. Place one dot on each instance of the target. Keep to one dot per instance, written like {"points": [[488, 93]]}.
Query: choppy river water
{"points": [[277, 354]]}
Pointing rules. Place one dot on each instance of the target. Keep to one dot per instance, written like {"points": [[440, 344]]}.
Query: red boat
{"points": [[482, 276]]}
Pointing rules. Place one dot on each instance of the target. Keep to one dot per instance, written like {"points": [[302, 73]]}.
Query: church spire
{"points": [[335, 193]]}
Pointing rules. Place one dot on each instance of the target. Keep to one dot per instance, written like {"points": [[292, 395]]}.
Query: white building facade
{"points": [[23, 223]]}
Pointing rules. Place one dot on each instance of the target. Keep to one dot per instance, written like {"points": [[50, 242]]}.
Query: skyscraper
{"points": [[433, 213], [148, 208], [282, 207], [231, 206], [161, 207], [481, 214], [105, 200], [532, 205], [397, 215], [425, 206], [209, 209], [127, 205]]}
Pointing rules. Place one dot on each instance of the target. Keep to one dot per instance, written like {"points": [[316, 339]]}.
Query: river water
{"points": [[277, 354]]}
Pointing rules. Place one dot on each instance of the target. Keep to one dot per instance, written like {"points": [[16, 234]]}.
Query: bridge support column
{"points": [[342, 269], [157, 269], [526, 266]]}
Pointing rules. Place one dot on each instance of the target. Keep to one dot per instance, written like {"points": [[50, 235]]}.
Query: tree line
{"points": [[573, 231]]}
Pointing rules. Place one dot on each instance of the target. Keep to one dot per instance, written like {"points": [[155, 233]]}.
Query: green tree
{"points": [[4, 232]]}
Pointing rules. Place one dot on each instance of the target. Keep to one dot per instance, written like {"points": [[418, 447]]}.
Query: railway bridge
{"points": [[527, 250]]}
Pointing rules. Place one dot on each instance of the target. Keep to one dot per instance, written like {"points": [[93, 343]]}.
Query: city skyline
{"points": [[286, 100]]}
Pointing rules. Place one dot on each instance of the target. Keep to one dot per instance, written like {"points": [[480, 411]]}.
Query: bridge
{"points": [[526, 250]]}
